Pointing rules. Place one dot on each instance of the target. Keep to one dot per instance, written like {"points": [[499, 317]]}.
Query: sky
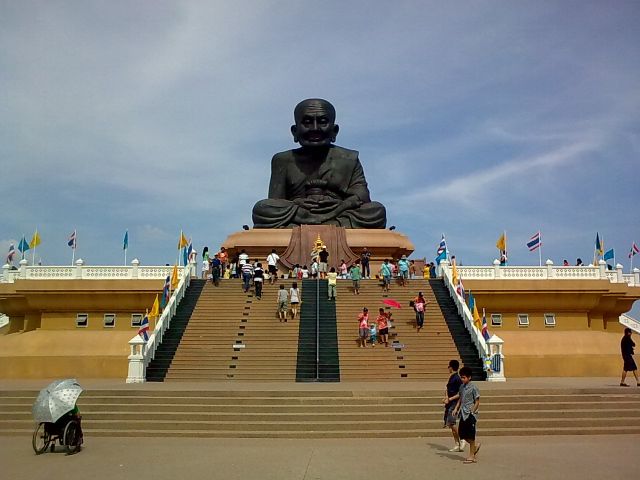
{"points": [[471, 118]]}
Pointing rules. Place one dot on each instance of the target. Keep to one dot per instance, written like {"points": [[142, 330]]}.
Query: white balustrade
{"points": [[630, 322], [80, 271], [139, 360], [465, 313]]}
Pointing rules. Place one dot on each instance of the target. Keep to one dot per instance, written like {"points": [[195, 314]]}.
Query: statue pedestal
{"points": [[294, 245]]}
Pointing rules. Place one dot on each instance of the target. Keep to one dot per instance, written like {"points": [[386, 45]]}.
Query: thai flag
{"points": [[535, 242], [485, 331], [143, 331], [460, 289], [12, 252], [442, 248], [166, 291], [634, 250], [72, 240]]}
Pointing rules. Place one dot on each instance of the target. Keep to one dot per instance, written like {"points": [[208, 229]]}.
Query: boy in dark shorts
{"points": [[450, 400], [467, 407]]}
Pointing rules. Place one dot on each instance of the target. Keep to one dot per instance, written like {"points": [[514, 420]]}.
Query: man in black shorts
{"points": [[272, 265], [450, 400]]}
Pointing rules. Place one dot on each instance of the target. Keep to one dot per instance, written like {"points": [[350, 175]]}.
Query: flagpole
{"points": [[73, 247], [540, 249]]}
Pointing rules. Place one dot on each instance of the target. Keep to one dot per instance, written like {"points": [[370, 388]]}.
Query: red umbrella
{"points": [[391, 302]]}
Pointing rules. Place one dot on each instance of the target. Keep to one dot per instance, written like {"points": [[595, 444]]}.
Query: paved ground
{"points": [[503, 458]]}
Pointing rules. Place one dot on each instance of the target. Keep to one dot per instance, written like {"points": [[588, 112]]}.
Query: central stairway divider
{"points": [[318, 359]]}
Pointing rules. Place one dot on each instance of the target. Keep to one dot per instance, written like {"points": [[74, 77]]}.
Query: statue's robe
{"points": [[291, 172]]}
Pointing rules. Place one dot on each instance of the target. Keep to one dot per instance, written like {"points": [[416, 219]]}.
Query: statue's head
{"points": [[315, 123]]}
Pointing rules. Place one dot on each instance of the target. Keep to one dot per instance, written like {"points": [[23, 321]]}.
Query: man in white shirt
{"points": [[272, 262]]}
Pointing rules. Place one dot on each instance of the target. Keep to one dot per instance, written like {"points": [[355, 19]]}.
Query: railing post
{"points": [[136, 361], [444, 264], [549, 265], [6, 268], [636, 277], [135, 263], [620, 278], [496, 372], [496, 268], [23, 268], [602, 268], [79, 264]]}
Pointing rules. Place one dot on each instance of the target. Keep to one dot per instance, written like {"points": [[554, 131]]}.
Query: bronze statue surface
{"points": [[318, 183]]}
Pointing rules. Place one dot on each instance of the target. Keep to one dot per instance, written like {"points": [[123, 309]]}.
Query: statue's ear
{"points": [[294, 132], [336, 129]]}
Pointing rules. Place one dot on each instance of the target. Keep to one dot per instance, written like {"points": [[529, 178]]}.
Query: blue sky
{"points": [[470, 117]]}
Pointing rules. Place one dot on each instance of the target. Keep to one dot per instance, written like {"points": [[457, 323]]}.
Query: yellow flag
{"points": [[155, 310], [476, 317], [35, 240], [454, 273], [183, 242], [174, 278], [501, 244]]}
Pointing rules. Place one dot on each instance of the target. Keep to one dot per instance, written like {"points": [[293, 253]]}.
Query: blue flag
{"points": [[23, 246], [125, 241], [185, 256], [609, 255]]}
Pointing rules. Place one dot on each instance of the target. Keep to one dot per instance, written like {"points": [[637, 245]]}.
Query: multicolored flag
{"points": [[11, 254], [143, 331], [460, 289], [634, 250], [485, 331], [442, 251], [73, 240], [535, 242], [599, 245], [166, 291]]}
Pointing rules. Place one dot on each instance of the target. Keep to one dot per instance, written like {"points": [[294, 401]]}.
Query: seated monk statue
{"points": [[318, 183]]}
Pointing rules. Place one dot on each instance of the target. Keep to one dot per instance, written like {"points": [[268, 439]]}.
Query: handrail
{"points": [[140, 359], [318, 328], [465, 313]]}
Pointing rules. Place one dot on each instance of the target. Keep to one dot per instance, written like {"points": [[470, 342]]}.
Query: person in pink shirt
{"points": [[383, 326], [363, 321]]}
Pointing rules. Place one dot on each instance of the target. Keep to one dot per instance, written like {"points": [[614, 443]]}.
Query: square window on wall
{"points": [[136, 320], [496, 319], [549, 319], [82, 319], [523, 320], [109, 320]]}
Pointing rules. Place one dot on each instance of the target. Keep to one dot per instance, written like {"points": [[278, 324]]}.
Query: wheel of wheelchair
{"points": [[41, 439], [71, 437]]}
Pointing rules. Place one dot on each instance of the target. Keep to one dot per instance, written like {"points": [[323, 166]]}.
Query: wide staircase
{"points": [[231, 335], [411, 355], [316, 413]]}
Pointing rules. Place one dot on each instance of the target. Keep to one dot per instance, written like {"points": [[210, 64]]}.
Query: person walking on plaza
{"points": [[452, 394], [282, 303], [294, 299], [363, 327], [403, 271], [419, 305], [258, 279], [272, 262], [467, 406], [383, 326], [365, 259], [385, 271], [356, 275], [323, 258], [626, 347], [332, 278]]}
